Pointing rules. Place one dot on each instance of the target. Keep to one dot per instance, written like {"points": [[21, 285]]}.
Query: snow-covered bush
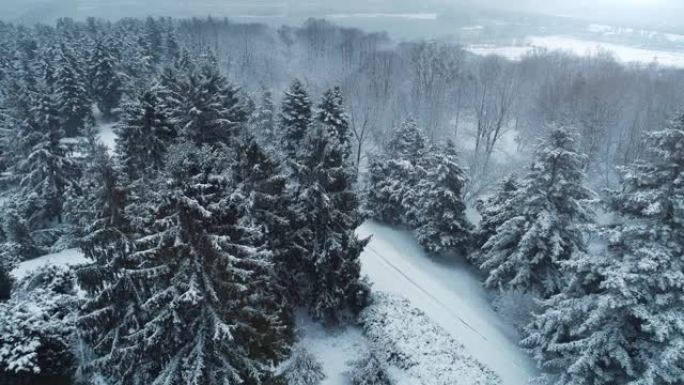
{"points": [[37, 329], [302, 369], [407, 339], [370, 370]]}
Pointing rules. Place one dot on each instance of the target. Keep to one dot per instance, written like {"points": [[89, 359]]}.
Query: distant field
{"points": [[623, 53]]}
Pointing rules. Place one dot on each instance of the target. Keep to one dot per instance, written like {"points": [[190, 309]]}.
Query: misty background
{"points": [[660, 15]]}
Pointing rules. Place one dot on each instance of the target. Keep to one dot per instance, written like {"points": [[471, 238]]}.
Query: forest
{"points": [[214, 174]]}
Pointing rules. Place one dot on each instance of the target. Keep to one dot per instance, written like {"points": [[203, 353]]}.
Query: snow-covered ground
{"points": [[448, 292], [416, 349], [67, 257], [105, 132], [622, 53], [336, 350]]}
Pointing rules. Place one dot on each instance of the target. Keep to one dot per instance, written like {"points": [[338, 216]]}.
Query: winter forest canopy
{"points": [[207, 180]]}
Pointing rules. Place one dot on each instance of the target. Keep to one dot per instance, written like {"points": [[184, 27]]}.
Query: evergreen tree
{"points": [[619, 321], [268, 203], [143, 135], [17, 241], [106, 85], [202, 291], [73, 103], [496, 209], [295, 119], [443, 225], [37, 329], [327, 216], [547, 228], [205, 108], [407, 142], [331, 114], [263, 119], [395, 174], [47, 171]]}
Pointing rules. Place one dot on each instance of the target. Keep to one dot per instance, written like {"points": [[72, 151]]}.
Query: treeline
{"points": [[209, 223], [492, 108]]}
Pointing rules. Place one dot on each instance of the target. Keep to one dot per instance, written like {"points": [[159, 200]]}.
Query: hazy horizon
{"points": [[664, 15]]}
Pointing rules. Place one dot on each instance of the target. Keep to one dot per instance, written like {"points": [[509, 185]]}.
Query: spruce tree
{"points": [[143, 135], [526, 250], [106, 85], [202, 306], [47, 171], [72, 98], [496, 209], [331, 114], [295, 119], [263, 119], [263, 186], [393, 192], [443, 225], [620, 319], [204, 107], [327, 216]]}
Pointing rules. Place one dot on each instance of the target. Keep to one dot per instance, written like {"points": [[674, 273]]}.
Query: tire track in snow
{"points": [[435, 299], [421, 289]]}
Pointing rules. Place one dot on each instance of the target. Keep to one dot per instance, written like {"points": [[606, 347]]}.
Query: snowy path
{"points": [[448, 292]]}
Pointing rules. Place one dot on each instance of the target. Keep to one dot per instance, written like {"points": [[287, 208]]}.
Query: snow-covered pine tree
{"points": [[496, 209], [106, 85], [47, 171], [263, 119], [620, 319], [443, 225], [407, 142], [327, 216], [268, 204], [205, 310], [331, 114], [295, 119], [204, 106], [17, 242], [394, 176], [526, 250], [143, 135], [73, 102], [37, 329]]}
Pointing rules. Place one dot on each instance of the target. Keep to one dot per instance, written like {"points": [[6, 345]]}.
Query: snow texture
{"points": [[67, 257], [334, 349], [448, 292], [407, 339]]}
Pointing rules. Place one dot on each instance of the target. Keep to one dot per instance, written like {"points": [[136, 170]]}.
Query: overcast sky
{"points": [[655, 13]]}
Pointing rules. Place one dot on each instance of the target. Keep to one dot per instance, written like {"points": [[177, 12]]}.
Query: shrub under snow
{"points": [[407, 339], [36, 330]]}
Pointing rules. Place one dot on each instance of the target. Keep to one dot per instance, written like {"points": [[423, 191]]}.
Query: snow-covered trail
{"points": [[448, 292]]}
